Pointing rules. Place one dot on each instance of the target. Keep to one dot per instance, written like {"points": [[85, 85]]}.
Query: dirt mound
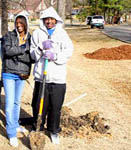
{"points": [[115, 53], [81, 126]]}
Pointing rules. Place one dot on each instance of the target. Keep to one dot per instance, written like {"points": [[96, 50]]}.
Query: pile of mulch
{"points": [[81, 126], [122, 52]]}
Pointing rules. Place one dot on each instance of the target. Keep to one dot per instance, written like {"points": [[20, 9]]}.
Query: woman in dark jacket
{"points": [[16, 67]]}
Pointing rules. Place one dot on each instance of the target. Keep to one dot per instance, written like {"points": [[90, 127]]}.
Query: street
{"points": [[120, 32]]}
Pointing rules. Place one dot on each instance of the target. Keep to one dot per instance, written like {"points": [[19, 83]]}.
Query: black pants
{"points": [[53, 101]]}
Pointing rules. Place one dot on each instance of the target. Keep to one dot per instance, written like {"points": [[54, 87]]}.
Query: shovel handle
{"points": [[45, 67], [43, 88]]}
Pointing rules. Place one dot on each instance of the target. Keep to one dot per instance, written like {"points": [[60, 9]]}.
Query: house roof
{"points": [[15, 11], [28, 5], [33, 4]]}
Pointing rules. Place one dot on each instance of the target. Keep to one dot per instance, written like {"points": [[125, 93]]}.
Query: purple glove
{"points": [[49, 55], [47, 44]]}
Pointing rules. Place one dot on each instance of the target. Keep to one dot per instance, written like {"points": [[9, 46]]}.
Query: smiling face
{"points": [[49, 22], [21, 25]]}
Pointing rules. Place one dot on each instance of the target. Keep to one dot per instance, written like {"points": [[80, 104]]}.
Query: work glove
{"points": [[47, 44], [49, 55]]}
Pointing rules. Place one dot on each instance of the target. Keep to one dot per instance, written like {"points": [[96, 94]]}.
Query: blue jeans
{"points": [[13, 91]]}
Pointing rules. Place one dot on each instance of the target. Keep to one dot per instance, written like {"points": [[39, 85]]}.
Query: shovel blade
{"points": [[37, 140]]}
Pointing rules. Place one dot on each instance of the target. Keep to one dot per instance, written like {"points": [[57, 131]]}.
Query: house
{"points": [[12, 13], [34, 7], [30, 7]]}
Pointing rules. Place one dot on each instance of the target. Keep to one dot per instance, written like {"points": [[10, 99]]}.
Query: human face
{"points": [[20, 26], [49, 22]]}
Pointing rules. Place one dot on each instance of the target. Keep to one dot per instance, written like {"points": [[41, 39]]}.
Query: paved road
{"points": [[120, 32]]}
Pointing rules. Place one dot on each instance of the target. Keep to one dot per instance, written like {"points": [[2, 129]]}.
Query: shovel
{"points": [[37, 138]]}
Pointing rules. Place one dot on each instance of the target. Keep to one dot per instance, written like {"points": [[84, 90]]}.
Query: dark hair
{"points": [[49, 17], [24, 22]]}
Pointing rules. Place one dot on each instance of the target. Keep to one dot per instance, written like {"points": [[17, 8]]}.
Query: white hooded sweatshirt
{"points": [[62, 48]]}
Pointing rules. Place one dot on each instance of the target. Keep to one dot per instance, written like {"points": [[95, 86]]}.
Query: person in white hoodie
{"points": [[50, 42]]}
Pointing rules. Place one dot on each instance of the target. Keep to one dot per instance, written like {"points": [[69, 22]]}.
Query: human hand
{"points": [[49, 55], [47, 44]]}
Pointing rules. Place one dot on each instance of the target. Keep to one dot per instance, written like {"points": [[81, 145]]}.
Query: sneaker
{"points": [[55, 138], [20, 129], [14, 142]]}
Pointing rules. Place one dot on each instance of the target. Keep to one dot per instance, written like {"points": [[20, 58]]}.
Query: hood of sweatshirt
{"points": [[27, 21], [50, 12]]}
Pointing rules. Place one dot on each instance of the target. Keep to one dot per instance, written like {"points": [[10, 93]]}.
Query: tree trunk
{"points": [[0, 18], [61, 8], [96, 7], [4, 16]]}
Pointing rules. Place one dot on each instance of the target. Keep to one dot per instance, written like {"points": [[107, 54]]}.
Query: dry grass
{"points": [[108, 87]]}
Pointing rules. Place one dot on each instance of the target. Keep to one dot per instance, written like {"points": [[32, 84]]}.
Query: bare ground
{"points": [[107, 86]]}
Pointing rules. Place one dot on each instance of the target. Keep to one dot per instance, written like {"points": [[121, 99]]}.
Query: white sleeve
{"points": [[35, 48], [64, 49]]}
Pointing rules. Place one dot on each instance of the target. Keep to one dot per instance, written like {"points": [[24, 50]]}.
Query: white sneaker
{"points": [[20, 129], [55, 138], [14, 142]]}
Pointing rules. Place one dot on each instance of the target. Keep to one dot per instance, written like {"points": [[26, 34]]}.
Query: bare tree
{"points": [[0, 18], [4, 16], [52, 2], [61, 8], [17, 3]]}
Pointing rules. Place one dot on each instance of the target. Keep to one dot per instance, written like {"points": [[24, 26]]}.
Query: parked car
{"points": [[97, 21], [75, 11], [88, 20]]}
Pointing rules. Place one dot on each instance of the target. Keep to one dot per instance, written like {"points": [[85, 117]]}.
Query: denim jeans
{"points": [[13, 91]]}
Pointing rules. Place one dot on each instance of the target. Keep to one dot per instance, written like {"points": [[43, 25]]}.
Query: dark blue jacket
{"points": [[15, 59]]}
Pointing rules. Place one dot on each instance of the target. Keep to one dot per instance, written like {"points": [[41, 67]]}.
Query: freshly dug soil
{"points": [[115, 53], [83, 125], [37, 140]]}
